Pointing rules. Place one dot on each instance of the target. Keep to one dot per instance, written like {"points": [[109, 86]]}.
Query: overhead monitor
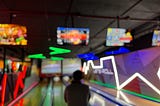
{"points": [[72, 36], [50, 66], [156, 38], [12, 34], [117, 37], [70, 65]]}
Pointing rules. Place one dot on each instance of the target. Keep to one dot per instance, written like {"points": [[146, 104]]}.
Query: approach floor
{"points": [[51, 94]]}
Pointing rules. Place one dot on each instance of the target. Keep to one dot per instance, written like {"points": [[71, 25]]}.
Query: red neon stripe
{"points": [[24, 93], [4, 81], [24, 71], [19, 83]]}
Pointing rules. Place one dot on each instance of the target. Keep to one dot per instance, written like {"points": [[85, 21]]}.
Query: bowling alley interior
{"points": [[115, 43]]}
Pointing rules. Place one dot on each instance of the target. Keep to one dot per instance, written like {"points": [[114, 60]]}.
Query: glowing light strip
{"points": [[56, 50], [4, 82], [119, 87], [123, 96], [39, 56], [158, 73], [90, 62]]}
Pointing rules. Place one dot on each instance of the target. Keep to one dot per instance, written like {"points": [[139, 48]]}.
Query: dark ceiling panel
{"points": [[42, 17]]}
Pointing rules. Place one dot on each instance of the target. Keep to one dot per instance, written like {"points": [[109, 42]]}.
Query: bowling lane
{"points": [[95, 100], [58, 92], [35, 96], [47, 94]]}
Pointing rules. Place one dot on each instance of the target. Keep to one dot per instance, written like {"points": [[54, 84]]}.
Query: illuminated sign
{"points": [[103, 71], [12, 34], [119, 86]]}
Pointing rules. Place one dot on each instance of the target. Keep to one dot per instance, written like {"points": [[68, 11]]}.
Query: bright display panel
{"points": [[12, 34], [72, 36], [156, 38], [117, 37], [70, 65], [50, 66]]}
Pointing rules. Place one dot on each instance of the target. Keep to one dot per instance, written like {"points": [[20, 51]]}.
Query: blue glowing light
{"points": [[88, 56], [121, 50]]}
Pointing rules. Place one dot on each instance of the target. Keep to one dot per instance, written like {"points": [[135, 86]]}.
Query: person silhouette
{"points": [[77, 93]]}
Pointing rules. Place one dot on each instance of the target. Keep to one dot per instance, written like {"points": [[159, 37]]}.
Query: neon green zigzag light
{"points": [[56, 50], [38, 56], [57, 58]]}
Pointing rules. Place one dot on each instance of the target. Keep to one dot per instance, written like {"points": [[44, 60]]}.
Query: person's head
{"points": [[78, 75]]}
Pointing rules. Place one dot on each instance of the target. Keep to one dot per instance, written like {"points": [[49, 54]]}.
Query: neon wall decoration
{"points": [[141, 65], [12, 34]]}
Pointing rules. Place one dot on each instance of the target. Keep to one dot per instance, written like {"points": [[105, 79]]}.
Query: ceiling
{"points": [[42, 17]]}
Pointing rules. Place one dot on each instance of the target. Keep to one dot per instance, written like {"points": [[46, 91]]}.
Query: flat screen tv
{"points": [[72, 36], [117, 37], [156, 38], [50, 67], [12, 34], [70, 65]]}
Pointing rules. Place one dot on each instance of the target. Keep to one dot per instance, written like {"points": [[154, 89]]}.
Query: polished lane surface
{"points": [[47, 94], [35, 96]]}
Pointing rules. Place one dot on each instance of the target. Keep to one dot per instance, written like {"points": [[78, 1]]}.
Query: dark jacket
{"points": [[77, 94]]}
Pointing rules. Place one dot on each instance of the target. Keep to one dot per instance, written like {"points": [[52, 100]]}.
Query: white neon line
{"points": [[143, 79], [115, 72], [128, 81], [90, 62], [149, 83], [119, 87], [118, 94], [158, 73], [124, 97]]}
